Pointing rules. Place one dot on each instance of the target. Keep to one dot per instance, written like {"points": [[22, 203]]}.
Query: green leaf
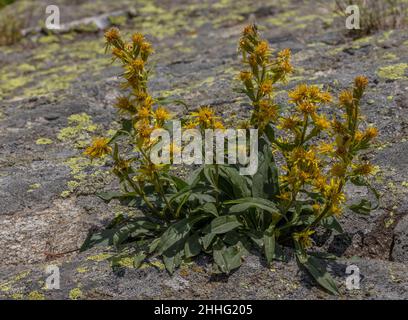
{"points": [[110, 195], [237, 181], [209, 173], [242, 205], [364, 207], [269, 243], [179, 183], [138, 259], [223, 224], [104, 237], [192, 246], [256, 237], [265, 183], [331, 223], [177, 232], [207, 208], [228, 258], [316, 269], [207, 239]]}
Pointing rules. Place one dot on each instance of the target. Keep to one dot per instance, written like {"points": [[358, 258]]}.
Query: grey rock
{"points": [[400, 248]]}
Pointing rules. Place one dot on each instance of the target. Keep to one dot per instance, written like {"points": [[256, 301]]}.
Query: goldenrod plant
{"points": [[216, 210]]}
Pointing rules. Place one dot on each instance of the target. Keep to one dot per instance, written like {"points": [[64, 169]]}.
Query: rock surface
{"points": [[57, 90]]}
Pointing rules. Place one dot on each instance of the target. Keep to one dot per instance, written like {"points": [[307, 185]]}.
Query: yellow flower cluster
{"points": [[204, 118], [263, 71], [321, 166]]}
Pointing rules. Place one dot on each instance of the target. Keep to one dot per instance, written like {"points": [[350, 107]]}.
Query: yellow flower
{"points": [[285, 196], [298, 94], [161, 114], [148, 102], [336, 210], [124, 105], [321, 122], [303, 238], [289, 123], [346, 98], [338, 127], [332, 192], [364, 169], [143, 129], [267, 113], [371, 133], [361, 82], [313, 94], [137, 65], [145, 50], [143, 113], [112, 34], [307, 108], [99, 148], [320, 182], [245, 76], [204, 116], [218, 125], [316, 208], [325, 97], [359, 136], [338, 170], [284, 54], [325, 147], [262, 49], [190, 125], [266, 87], [137, 38], [249, 30]]}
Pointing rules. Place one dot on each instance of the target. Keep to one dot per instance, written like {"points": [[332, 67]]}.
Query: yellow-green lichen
{"points": [[82, 269], [65, 194], [118, 20], [390, 56], [34, 186], [17, 296], [126, 262], [36, 295], [43, 141], [80, 125], [393, 72], [158, 264], [99, 257], [75, 294]]}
